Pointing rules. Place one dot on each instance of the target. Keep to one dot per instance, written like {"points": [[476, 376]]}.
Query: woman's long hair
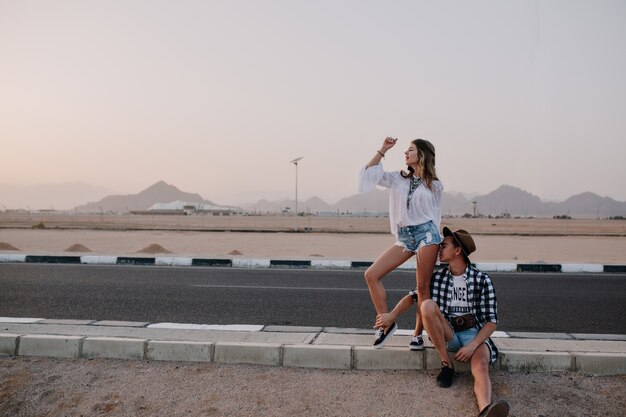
{"points": [[425, 163]]}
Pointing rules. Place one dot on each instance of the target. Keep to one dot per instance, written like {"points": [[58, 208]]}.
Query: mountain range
{"points": [[504, 200], [160, 192]]}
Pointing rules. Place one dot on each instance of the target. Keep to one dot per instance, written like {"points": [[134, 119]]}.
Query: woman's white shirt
{"points": [[425, 205]]}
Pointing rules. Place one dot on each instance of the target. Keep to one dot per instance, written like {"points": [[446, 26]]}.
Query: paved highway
{"points": [[573, 303]]}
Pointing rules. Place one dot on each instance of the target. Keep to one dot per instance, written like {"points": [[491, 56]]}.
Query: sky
{"points": [[217, 97]]}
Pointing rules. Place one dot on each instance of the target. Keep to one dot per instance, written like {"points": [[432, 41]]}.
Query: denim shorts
{"points": [[460, 339], [411, 238]]}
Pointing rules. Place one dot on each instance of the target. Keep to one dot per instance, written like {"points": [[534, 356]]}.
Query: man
{"points": [[460, 318]]}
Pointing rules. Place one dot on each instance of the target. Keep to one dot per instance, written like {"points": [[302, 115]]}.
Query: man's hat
{"points": [[463, 239]]}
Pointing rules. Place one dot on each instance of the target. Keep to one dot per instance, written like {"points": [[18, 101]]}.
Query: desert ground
{"points": [[337, 238], [106, 387]]}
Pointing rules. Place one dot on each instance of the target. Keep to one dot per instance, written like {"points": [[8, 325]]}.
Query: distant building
{"points": [[183, 208]]}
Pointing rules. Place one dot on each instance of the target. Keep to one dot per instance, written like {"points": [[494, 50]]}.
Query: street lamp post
{"points": [[295, 162]]}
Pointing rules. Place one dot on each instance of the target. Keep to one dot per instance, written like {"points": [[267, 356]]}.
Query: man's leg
{"points": [[480, 371], [438, 329]]}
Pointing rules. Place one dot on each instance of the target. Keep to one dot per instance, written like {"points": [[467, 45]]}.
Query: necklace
{"points": [[413, 184]]}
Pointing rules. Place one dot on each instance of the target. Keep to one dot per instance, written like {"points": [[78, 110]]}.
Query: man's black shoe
{"points": [[382, 336], [497, 409], [444, 379]]}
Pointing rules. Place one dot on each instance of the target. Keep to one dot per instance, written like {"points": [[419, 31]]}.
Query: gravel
{"points": [[31, 386]]}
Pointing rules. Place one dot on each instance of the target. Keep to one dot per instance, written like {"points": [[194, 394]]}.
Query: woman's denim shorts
{"points": [[411, 238]]}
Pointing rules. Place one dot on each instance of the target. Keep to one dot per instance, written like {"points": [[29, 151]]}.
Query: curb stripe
{"points": [[289, 263], [294, 263], [211, 262], [615, 268], [124, 260], [538, 268], [53, 259]]}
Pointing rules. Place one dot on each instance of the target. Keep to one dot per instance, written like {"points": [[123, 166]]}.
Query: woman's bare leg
{"points": [[426, 261], [389, 260]]}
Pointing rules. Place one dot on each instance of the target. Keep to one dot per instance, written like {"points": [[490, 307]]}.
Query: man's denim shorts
{"points": [[460, 339], [411, 238]]}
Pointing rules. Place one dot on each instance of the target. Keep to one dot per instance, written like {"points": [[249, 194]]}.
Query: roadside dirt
{"points": [[103, 387]]}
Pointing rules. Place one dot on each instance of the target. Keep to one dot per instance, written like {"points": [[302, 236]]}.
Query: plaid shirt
{"points": [[480, 293]]}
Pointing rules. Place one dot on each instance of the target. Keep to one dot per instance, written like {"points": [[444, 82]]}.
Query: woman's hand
{"points": [[384, 320], [388, 143]]}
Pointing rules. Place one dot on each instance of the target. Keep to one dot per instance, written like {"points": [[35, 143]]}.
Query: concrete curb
{"points": [[603, 355], [291, 263]]}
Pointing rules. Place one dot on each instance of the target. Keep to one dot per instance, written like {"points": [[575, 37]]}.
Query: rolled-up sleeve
{"points": [[375, 175]]}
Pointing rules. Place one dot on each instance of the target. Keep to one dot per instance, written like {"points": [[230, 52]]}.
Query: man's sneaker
{"points": [[444, 379], [417, 343], [497, 409], [382, 337]]}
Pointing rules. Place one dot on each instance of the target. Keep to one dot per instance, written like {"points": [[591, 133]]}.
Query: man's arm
{"points": [[385, 319]]}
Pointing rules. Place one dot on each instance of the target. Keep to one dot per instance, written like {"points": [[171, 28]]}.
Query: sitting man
{"points": [[460, 318]]}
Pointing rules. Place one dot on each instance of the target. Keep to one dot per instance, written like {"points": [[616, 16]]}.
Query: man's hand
{"points": [[384, 320], [465, 353]]}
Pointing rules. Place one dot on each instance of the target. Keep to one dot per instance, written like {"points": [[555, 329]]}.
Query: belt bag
{"points": [[460, 323]]}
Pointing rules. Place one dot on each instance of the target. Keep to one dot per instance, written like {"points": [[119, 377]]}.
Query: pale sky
{"points": [[216, 97]]}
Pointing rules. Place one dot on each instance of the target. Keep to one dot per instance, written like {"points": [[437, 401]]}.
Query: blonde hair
{"points": [[425, 164]]}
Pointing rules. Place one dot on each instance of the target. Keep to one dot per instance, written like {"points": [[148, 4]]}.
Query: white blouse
{"points": [[425, 205]]}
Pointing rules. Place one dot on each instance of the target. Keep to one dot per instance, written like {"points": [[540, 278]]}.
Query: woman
{"points": [[415, 216]]}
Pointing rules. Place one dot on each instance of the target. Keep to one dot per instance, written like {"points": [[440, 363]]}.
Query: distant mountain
{"points": [[455, 204], [312, 205], [377, 200], [505, 199], [161, 192], [63, 196], [590, 204]]}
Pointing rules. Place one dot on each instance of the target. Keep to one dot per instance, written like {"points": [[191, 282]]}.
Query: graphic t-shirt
{"points": [[459, 305]]}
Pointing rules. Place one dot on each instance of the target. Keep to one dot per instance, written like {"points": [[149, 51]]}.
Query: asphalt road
{"points": [[572, 303]]}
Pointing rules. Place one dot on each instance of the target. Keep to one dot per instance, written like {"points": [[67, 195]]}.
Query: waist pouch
{"points": [[460, 323]]}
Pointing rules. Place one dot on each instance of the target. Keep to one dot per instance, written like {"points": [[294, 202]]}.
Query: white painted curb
{"points": [[10, 257], [98, 260], [19, 320], [322, 264], [496, 267], [173, 261], [582, 268]]}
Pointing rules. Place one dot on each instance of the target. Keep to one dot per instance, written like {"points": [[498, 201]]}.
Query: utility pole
{"points": [[295, 162]]}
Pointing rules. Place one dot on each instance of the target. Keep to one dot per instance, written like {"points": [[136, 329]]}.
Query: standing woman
{"points": [[415, 216]]}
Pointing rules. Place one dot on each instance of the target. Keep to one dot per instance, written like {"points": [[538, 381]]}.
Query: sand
{"points": [[335, 246], [336, 238]]}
